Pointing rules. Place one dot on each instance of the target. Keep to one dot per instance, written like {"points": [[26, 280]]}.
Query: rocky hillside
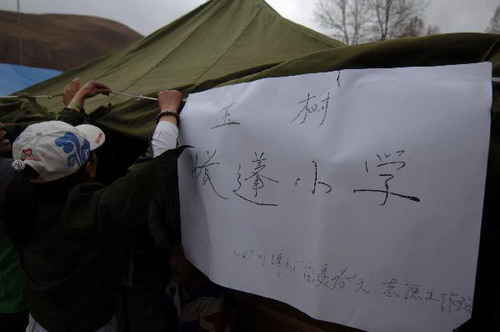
{"points": [[59, 41]]}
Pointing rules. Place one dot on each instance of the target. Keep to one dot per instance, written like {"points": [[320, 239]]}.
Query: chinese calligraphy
{"points": [[205, 169], [344, 279], [316, 182], [310, 107], [257, 179], [226, 120], [386, 169]]}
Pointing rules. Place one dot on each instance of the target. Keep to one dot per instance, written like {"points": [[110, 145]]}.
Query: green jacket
{"points": [[71, 264]]}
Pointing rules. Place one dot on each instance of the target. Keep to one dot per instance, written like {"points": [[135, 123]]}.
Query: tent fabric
{"points": [[135, 118], [218, 41], [14, 78], [436, 50]]}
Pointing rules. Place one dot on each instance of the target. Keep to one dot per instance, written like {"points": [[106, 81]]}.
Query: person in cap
{"points": [[13, 300], [67, 228]]}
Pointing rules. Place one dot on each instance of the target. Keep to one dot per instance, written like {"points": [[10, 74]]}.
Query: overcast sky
{"points": [[146, 16]]}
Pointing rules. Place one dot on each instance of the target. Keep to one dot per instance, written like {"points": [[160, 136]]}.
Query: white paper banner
{"points": [[354, 196]]}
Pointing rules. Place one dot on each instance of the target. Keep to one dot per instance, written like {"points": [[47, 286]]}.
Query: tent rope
{"points": [[35, 96], [138, 97]]}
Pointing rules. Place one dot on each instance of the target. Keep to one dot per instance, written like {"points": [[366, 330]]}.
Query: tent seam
{"points": [[169, 53], [310, 32], [229, 48], [266, 9]]}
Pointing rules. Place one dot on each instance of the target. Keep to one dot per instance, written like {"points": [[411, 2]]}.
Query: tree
{"points": [[394, 16], [347, 19], [416, 27], [495, 22], [357, 21]]}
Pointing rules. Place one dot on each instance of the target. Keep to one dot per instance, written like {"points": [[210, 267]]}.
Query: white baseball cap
{"points": [[55, 149]]}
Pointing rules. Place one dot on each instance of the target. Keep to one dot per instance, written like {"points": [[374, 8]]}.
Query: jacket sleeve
{"points": [[126, 201], [73, 117]]}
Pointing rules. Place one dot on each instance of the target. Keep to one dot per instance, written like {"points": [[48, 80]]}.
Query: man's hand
{"points": [[70, 90], [169, 100], [5, 145], [89, 90], [93, 88]]}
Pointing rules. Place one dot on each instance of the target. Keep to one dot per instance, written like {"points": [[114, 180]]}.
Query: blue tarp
{"points": [[14, 78]]}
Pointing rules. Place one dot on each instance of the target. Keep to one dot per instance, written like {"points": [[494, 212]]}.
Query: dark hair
{"points": [[20, 200]]}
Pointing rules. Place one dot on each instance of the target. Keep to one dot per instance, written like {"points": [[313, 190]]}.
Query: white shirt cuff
{"points": [[164, 137]]}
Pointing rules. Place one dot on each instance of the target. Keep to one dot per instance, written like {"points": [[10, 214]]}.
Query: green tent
{"points": [[219, 41], [230, 41]]}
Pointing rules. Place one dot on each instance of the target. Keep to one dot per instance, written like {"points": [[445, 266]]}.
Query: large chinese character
{"points": [[256, 180], [327, 188], [205, 170], [226, 118], [387, 168], [309, 107]]}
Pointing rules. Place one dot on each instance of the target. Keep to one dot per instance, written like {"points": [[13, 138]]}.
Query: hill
{"points": [[59, 41]]}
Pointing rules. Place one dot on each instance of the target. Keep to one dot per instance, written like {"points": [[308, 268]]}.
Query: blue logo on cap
{"points": [[71, 146]]}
